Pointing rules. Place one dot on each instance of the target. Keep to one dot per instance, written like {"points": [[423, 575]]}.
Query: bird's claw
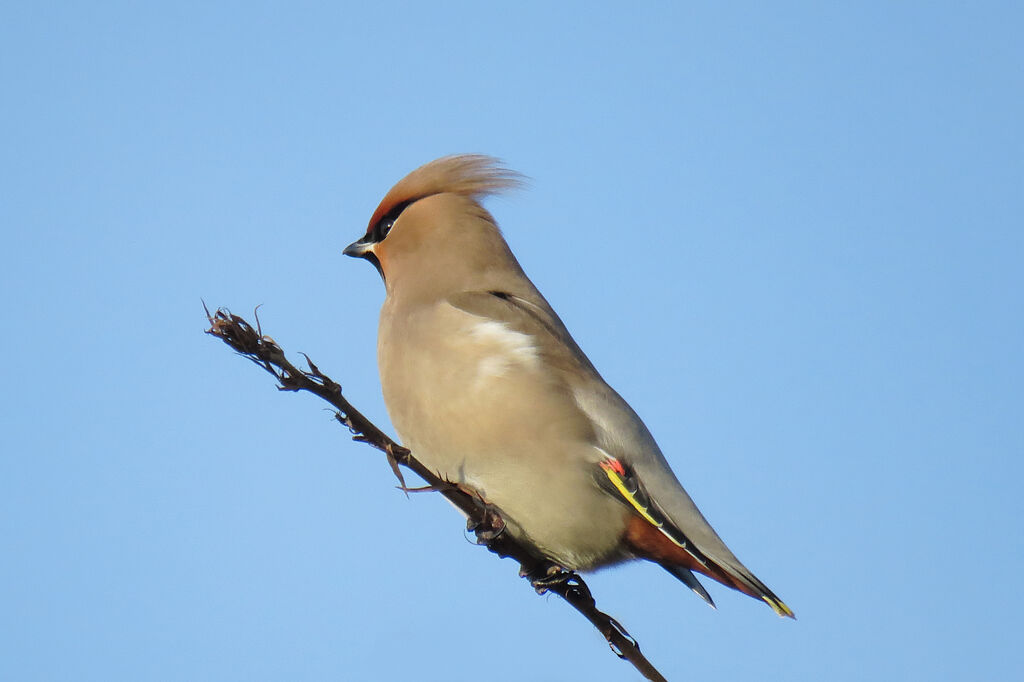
{"points": [[547, 576], [488, 527]]}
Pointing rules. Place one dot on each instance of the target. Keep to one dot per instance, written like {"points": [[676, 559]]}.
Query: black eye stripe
{"points": [[380, 231]]}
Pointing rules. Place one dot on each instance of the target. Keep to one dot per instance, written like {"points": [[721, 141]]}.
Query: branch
{"points": [[543, 574]]}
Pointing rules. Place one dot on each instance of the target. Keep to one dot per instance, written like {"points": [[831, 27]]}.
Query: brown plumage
{"points": [[469, 175], [484, 383]]}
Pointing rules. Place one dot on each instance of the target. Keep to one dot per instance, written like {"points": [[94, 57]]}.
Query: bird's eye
{"points": [[384, 225]]}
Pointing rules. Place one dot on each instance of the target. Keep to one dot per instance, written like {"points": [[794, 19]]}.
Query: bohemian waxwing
{"points": [[487, 388]]}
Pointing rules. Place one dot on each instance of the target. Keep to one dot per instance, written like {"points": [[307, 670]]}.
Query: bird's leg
{"points": [[548, 575], [544, 575], [489, 525]]}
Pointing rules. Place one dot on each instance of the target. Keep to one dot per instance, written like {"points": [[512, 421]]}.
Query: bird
{"points": [[485, 385]]}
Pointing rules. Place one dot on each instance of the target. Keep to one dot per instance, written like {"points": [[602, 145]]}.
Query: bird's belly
{"points": [[496, 423], [546, 501]]}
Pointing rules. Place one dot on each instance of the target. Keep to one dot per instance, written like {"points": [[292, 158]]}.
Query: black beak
{"points": [[358, 249], [364, 249]]}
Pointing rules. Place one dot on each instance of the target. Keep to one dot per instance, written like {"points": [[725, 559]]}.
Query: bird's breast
{"points": [[477, 404], [453, 376]]}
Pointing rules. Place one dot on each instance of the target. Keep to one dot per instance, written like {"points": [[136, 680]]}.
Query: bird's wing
{"points": [[534, 318], [621, 480], [658, 496]]}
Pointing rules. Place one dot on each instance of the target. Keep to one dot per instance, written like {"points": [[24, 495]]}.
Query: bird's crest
{"points": [[471, 175]]}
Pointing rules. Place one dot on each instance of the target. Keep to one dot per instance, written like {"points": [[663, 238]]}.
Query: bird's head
{"points": [[430, 234]]}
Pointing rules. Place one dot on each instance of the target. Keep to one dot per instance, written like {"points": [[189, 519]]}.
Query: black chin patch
{"points": [[372, 257]]}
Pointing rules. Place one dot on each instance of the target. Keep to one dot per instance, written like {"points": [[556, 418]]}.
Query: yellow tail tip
{"points": [[779, 608]]}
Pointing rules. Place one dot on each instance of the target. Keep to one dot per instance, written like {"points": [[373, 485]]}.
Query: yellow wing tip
{"points": [[779, 608], [613, 469]]}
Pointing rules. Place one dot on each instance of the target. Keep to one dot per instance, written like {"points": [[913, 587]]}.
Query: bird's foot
{"points": [[548, 576], [489, 526]]}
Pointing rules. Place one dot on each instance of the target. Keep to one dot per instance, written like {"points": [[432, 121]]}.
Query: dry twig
{"points": [[544, 576]]}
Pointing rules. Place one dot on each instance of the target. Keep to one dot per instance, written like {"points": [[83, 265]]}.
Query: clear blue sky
{"points": [[789, 234]]}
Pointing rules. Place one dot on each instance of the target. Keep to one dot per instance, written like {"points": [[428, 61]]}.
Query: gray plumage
{"points": [[487, 387]]}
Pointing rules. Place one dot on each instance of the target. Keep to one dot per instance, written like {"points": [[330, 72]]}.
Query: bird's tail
{"points": [[648, 542], [651, 535], [747, 583]]}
